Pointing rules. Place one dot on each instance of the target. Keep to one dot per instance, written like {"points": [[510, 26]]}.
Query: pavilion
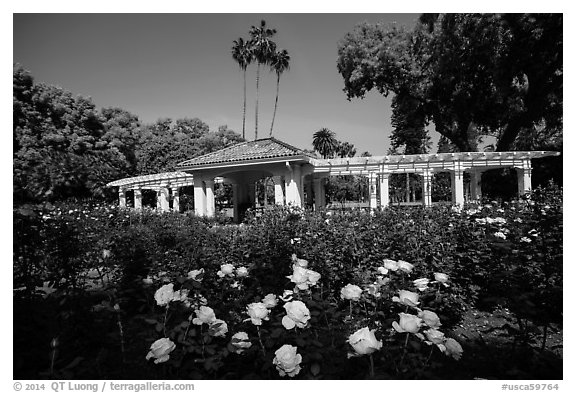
{"points": [[298, 175]]}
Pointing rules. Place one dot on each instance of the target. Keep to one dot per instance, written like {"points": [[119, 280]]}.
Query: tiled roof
{"points": [[245, 151]]}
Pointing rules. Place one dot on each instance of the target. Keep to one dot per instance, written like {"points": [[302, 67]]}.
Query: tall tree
{"points": [[409, 122], [280, 63], [473, 74], [345, 149], [262, 48], [324, 142], [242, 54], [63, 146]]}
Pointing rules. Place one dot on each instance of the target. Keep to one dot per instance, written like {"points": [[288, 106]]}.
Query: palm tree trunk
{"points": [[244, 113], [257, 85], [275, 104]]}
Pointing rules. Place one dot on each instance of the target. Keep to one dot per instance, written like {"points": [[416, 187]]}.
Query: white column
{"points": [[299, 192], [457, 184], [199, 196], [122, 197], [427, 188], [278, 190], [288, 188], [159, 199], [210, 201], [319, 195], [294, 187], [524, 180], [372, 190], [137, 199], [165, 199], [384, 192], [176, 199], [476, 185]]}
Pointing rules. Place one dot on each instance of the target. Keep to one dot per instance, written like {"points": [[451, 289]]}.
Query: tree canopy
{"points": [[469, 74], [65, 147]]}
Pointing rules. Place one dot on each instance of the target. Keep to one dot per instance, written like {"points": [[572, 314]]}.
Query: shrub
{"points": [[84, 268]]}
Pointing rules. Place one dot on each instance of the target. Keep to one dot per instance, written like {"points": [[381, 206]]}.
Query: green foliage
{"points": [[470, 74], [325, 142], [166, 143], [62, 145], [88, 274], [65, 148], [409, 121]]}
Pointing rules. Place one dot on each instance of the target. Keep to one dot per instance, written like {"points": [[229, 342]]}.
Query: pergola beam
{"points": [[289, 180]]}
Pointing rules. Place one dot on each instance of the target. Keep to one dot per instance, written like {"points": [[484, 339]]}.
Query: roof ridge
{"points": [[213, 152], [268, 148]]}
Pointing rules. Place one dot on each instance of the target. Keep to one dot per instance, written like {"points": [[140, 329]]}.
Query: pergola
{"points": [[297, 174], [164, 184]]}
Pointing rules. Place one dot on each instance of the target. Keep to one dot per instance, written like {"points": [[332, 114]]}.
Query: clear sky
{"points": [[179, 65]]}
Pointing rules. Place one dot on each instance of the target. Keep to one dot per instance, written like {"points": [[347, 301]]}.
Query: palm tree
{"points": [[262, 49], [242, 53], [345, 149], [325, 142], [280, 63]]}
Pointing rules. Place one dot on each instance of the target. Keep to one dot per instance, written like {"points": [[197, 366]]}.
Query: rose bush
{"points": [[73, 265]]}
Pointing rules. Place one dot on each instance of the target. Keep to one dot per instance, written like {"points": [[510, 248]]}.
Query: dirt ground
{"points": [[494, 349]]}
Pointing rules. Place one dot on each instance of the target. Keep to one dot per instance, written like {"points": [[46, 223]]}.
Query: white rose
{"points": [[364, 342], [257, 312], [242, 271], [405, 266], [287, 295], [160, 350], [436, 337], [313, 277], [164, 294], [382, 270], [193, 274], [204, 315], [299, 277], [453, 348], [407, 298], [270, 300], [421, 284], [226, 270], [218, 328], [240, 342], [430, 318], [390, 264], [351, 292], [297, 314], [287, 360], [300, 262], [500, 235], [373, 289], [408, 323], [441, 277], [500, 220], [181, 295]]}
